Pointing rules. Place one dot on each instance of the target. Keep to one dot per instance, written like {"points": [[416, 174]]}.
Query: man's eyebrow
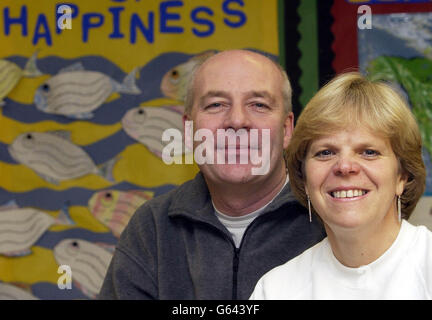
{"points": [[214, 93], [250, 94], [260, 94]]}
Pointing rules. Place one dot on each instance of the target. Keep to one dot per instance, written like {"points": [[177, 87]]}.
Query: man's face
{"points": [[238, 90]]}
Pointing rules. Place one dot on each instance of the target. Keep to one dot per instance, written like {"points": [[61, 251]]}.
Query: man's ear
{"points": [[185, 118], [288, 129], [188, 132]]}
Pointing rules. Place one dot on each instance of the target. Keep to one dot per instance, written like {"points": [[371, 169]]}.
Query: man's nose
{"points": [[346, 165], [237, 118]]}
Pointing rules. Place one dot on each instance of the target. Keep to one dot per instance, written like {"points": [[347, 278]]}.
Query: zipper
{"points": [[236, 259], [235, 272]]}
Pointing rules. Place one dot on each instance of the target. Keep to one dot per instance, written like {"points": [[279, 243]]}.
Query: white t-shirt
{"points": [[404, 271], [237, 225]]}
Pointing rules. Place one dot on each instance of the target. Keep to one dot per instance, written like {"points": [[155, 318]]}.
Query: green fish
{"points": [[415, 77], [10, 74]]}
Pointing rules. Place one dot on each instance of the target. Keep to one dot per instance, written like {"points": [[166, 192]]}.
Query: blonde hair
{"points": [[350, 100]]}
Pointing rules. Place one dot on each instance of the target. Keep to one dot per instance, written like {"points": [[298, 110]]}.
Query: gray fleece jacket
{"points": [[174, 247]]}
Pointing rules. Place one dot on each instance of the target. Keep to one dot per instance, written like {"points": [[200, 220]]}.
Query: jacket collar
{"points": [[193, 200]]}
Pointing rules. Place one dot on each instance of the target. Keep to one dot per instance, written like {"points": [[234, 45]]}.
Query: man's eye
{"points": [[260, 105], [214, 105]]}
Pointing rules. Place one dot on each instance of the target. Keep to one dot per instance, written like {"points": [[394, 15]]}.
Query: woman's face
{"points": [[353, 178]]}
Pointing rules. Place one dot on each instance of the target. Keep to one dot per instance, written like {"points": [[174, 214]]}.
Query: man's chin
{"points": [[231, 173]]}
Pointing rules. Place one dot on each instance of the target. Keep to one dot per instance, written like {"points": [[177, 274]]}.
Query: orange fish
{"points": [[114, 208]]}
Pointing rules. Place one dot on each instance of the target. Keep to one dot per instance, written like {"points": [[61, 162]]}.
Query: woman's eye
{"points": [[371, 153], [324, 153]]}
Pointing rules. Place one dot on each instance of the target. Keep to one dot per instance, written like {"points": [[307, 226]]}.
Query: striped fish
{"points": [[20, 228], [174, 83], [12, 292], [88, 262], [54, 157], [146, 125], [10, 74], [75, 92], [114, 208]]}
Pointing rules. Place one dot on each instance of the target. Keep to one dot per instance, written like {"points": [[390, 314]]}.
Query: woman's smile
{"points": [[348, 193]]}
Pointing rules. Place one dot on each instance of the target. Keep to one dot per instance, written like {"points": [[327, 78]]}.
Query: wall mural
{"points": [[82, 113]]}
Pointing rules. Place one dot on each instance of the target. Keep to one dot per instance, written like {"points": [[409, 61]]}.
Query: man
{"points": [[215, 236]]}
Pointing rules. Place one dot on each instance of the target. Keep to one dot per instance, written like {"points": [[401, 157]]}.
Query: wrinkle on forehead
{"points": [[238, 57]]}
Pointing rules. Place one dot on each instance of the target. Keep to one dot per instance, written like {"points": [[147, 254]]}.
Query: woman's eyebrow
{"points": [[357, 145]]}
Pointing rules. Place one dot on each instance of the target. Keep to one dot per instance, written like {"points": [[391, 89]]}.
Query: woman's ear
{"points": [[402, 181]]}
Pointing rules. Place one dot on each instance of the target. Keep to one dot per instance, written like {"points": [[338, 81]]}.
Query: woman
{"points": [[355, 160]]}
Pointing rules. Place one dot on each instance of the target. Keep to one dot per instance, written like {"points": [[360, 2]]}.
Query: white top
{"points": [[237, 225], [404, 271]]}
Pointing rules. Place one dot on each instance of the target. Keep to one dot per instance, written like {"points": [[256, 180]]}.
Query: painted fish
{"points": [[114, 208], [20, 228], [174, 83], [10, 74], [146, 125], [55, 158], [75, 92], [12, 292], [88, 262]]}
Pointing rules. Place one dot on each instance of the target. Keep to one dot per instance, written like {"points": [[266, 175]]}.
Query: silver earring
{"points": [[399, 208], [309, 206]]}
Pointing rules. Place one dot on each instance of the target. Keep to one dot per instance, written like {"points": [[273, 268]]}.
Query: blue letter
{"points": [[240, 14], [58, 15], [42, 21], [165, 16], [22, 19], [194, 17], [116, 22], [136, 22], [86, 23]]}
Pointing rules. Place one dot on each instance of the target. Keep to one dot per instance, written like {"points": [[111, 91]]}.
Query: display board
{"points": [[87, 89]]}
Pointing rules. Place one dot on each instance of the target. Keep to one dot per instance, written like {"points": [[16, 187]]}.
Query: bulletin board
{"points": [[86, 90]]}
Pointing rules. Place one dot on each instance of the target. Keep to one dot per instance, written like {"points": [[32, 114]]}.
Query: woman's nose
{"points": [[346, 165]]}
